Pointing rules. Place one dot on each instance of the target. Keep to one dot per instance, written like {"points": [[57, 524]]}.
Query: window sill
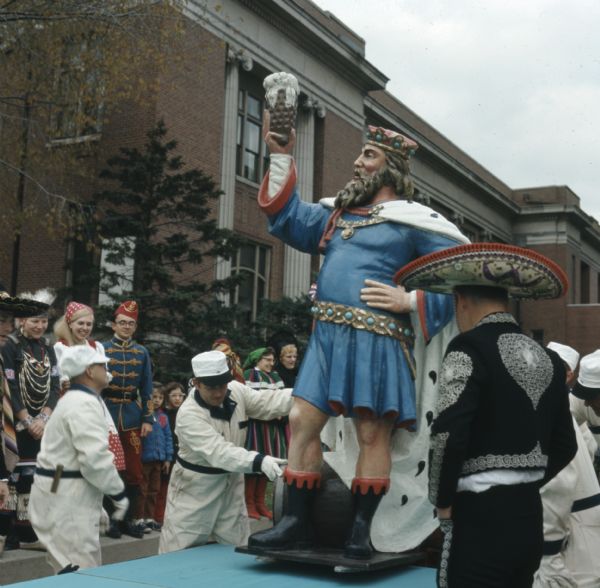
{"points": [[74, 140], [248, 182]]}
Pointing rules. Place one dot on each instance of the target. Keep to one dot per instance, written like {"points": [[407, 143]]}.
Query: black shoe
{"points": [[113, 530], [359, 544], [295, 530], [153, 525], [11, 543], [133, 529]]}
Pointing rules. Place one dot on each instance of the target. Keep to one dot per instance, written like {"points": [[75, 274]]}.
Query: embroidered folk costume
{"points": [[206, 491], [11, 307], [502, 426], [33, 387], [266, 437], [128, 398]]}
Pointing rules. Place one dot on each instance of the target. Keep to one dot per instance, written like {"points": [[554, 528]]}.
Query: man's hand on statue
{"points": [[444, 513], [271, 139], [166, 466], [390, 298], [3, 494], [270, 466], [145, 430]]}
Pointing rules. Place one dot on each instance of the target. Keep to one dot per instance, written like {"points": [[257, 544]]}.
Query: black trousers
{"points": [[494, 540]]}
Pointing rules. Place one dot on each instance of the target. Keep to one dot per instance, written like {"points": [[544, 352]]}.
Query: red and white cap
{"points": [[128, 308], [76, 309]]}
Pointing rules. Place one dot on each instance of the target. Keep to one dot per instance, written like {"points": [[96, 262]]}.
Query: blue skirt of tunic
{"points": [[345, 369]]}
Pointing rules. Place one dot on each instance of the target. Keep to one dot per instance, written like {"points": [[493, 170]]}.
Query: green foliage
{"points": [[158, 213], [65, 65]]}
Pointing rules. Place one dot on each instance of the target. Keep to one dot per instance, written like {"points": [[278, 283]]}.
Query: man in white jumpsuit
{"points": [[572, 499], [585, 397], [75, 467], [205, 499]]}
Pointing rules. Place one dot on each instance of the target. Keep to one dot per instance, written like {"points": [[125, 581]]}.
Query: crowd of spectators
{"points": [[140, 413]]}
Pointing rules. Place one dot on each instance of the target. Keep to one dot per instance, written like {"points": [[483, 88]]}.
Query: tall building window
{"points": [[252, 157], [253, 262], [117, 266], [585, 283], [573, 285]]}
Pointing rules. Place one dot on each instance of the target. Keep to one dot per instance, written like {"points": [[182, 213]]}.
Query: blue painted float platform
{"points": [[219, 566]]}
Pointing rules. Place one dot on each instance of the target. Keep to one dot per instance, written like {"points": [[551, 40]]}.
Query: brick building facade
{"points": [[211, 103]]}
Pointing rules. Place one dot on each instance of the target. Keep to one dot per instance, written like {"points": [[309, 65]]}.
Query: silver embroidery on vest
{"points": [[456, 370], [527, 363], [438, 448], [498, 317], [446, 526], [534, 459]]}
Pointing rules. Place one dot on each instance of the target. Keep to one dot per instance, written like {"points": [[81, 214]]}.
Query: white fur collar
{"points": [[415, 215]]}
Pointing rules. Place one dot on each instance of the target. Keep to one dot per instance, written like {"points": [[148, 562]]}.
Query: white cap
{"points": [[567, 354], [588, 381], [73, 360], [212, 366]]}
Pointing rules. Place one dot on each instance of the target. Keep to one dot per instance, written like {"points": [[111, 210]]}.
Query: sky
{"points": [[513, 83]]}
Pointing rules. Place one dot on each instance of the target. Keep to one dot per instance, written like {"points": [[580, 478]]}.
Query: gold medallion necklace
{"points": [[349, 226]]}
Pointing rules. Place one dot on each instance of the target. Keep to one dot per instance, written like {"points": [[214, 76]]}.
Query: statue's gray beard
{"points": [[359, 190]]}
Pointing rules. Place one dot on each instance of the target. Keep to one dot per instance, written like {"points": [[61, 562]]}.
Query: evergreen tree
{"points": [[159, 215]]}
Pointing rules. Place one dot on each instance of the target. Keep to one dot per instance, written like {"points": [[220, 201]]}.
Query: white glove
{"points": [[270, 466], [120, 507]]}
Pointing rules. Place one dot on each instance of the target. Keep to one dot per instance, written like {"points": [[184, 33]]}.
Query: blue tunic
{"points": [[343, 366], [129, 395]]}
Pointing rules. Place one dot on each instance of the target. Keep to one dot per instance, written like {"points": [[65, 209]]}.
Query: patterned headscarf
{"points": [[75, 310], [233, 359]]}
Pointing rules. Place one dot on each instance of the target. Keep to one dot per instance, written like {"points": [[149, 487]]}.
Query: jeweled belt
{"points": [[367, 320]]}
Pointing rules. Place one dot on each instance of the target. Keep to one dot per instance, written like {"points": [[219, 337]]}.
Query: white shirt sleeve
{"points": [[280, 165], [265, 405]]}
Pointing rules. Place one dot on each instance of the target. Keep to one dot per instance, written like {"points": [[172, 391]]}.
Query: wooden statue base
{"points": [[334, 558]]}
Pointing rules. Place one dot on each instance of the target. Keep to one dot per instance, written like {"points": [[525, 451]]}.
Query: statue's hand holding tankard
{"points": [[281, 98], [273, 139]]}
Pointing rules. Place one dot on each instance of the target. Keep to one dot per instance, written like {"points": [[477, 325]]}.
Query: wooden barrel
{"points": [[332, 510]]}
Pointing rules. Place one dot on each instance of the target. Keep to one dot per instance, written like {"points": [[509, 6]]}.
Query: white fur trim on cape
{"points": [[415, 215]]}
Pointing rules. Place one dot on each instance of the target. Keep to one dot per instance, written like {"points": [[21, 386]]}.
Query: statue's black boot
{"points": [[368, 493], [294, 530]]}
